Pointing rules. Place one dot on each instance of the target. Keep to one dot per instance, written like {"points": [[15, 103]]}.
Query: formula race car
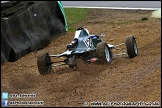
{"points": [[89, 48]]}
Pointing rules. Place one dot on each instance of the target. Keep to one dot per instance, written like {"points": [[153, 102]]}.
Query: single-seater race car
{"points": [[89, 48]]}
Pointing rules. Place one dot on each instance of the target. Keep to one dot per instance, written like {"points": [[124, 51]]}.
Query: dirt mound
{"points": [[125, 79]]}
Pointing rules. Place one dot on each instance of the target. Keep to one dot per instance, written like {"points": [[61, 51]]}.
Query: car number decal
{"points": [[88, 43]]}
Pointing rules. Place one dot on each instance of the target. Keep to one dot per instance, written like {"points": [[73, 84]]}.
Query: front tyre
{"points": [[44, 63], [131, 46], [103, 53]]}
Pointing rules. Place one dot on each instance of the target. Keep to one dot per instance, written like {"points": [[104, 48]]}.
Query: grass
{"points": [[130, 21], [75, 15], [144, 18]]}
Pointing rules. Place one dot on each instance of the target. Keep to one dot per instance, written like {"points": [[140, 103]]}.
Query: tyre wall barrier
{"points": [[27, 26]]}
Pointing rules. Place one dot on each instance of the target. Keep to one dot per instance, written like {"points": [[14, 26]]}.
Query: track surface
{"points": [[132, 80]]}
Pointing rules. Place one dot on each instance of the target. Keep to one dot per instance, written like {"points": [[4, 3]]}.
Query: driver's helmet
{"points": [[80, 28]]}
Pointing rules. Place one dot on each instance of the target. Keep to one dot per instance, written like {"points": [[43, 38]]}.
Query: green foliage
{"points": [[144, 18], [75, 15], [130, 21]]}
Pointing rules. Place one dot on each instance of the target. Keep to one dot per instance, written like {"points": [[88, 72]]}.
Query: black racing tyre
{"points": [[44, 63], [103, 53], [131, 46]]}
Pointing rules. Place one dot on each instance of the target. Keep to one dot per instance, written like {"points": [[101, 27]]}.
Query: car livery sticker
{"points": [[88, 42]]}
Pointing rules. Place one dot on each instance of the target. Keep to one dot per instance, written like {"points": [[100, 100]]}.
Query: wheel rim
{"points": [[107, 54], [135, 47]]}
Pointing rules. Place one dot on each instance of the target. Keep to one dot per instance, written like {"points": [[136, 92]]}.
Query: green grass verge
{"points": [[75, 15]]}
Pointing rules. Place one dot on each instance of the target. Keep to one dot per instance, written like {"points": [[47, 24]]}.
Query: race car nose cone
{"points": [[93, 59]]}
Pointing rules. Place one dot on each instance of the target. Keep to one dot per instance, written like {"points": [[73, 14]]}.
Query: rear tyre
{"points": [[44, 63], [103, 53], [131, 46]]}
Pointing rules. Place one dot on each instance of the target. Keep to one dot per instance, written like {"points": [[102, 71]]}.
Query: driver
{"points": [[72, 44]]}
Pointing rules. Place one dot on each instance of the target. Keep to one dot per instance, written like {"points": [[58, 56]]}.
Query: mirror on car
{"points": [[102, 34]]}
